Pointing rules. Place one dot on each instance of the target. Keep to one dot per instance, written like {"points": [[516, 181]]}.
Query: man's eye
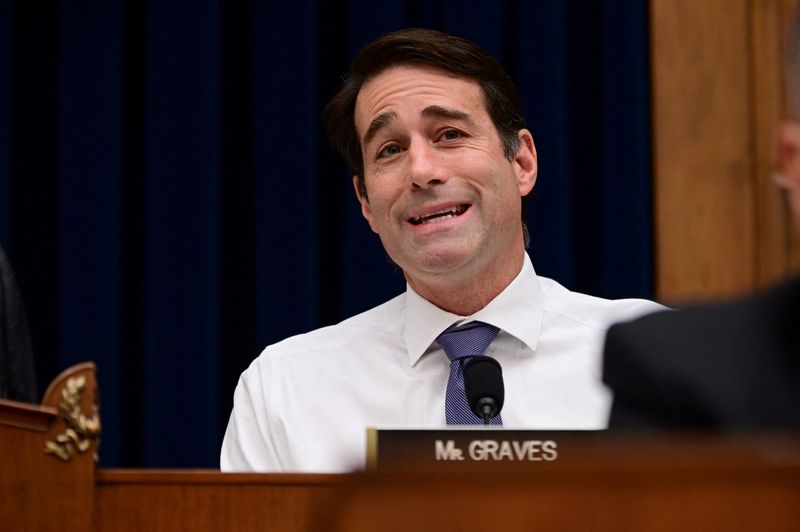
{"points": [[452, 134], [388, 151]]}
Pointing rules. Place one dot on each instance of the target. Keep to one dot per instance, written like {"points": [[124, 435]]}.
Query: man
{"points": [[731, 365], [433, 130]]}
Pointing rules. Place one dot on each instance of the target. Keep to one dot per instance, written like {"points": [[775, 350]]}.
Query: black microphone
{"points": [[483, 382]]}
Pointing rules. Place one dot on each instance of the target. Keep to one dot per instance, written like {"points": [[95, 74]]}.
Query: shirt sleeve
{"points": [[251, 442]]}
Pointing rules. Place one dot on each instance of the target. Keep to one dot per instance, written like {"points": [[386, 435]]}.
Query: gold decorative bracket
{"points": [[82, 431]]}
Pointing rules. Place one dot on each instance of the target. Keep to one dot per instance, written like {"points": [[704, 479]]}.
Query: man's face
{"points": [[441, 194]]}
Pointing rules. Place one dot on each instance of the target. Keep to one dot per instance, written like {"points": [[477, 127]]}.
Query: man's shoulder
{"points": [[375, 324], [737, 321], [592, 311], [743, 309], [703, 365]]}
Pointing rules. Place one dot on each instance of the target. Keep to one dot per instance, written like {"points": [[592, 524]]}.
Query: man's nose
{"points": [[426, 166]]}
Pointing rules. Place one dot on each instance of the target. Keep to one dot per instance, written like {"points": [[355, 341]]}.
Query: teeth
{"points": [[437, 219], [440, 216]]}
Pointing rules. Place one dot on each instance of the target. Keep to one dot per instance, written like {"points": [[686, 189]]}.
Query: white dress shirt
{"points": [[304, 404]]}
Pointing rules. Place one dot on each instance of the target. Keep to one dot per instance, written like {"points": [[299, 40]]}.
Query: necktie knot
{"points": [[469, 340]]}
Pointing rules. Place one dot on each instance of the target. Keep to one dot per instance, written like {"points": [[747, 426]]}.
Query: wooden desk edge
{"points": [[214, 476]]}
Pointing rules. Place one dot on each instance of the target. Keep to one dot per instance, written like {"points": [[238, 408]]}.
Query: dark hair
{"points": [[435, 49]]}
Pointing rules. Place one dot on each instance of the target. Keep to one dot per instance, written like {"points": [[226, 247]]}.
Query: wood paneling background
{"points": [[722, 226]]}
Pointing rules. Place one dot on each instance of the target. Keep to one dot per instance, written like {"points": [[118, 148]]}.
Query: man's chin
{"points": [[438, 263]]}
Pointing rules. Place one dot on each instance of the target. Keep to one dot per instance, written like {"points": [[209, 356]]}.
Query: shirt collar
{"points": [[517, 310]]}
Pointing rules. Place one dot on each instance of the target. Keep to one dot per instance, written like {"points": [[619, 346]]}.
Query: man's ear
{"points": [[788, 165], [788, 153], [525, 163], [365, 209]]}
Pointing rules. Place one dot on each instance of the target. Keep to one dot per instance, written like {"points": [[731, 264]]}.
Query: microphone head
{"points": [[483, 379]]}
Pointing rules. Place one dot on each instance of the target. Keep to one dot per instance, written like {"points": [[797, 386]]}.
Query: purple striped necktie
{"points": [[461, 343]]}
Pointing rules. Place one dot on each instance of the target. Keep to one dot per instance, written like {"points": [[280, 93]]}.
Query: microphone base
{"points": [[487, 409]]}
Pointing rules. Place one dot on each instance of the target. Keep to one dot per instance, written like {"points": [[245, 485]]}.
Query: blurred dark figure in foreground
{"points": [[727, 365], [17, 380]]}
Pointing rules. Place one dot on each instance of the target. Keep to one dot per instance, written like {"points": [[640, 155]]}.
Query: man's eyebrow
{"points": [[437, 111], [378, 123], [432, 111]]}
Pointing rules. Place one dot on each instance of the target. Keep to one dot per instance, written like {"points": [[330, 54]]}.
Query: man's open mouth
{"points": [[444, 214]]}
